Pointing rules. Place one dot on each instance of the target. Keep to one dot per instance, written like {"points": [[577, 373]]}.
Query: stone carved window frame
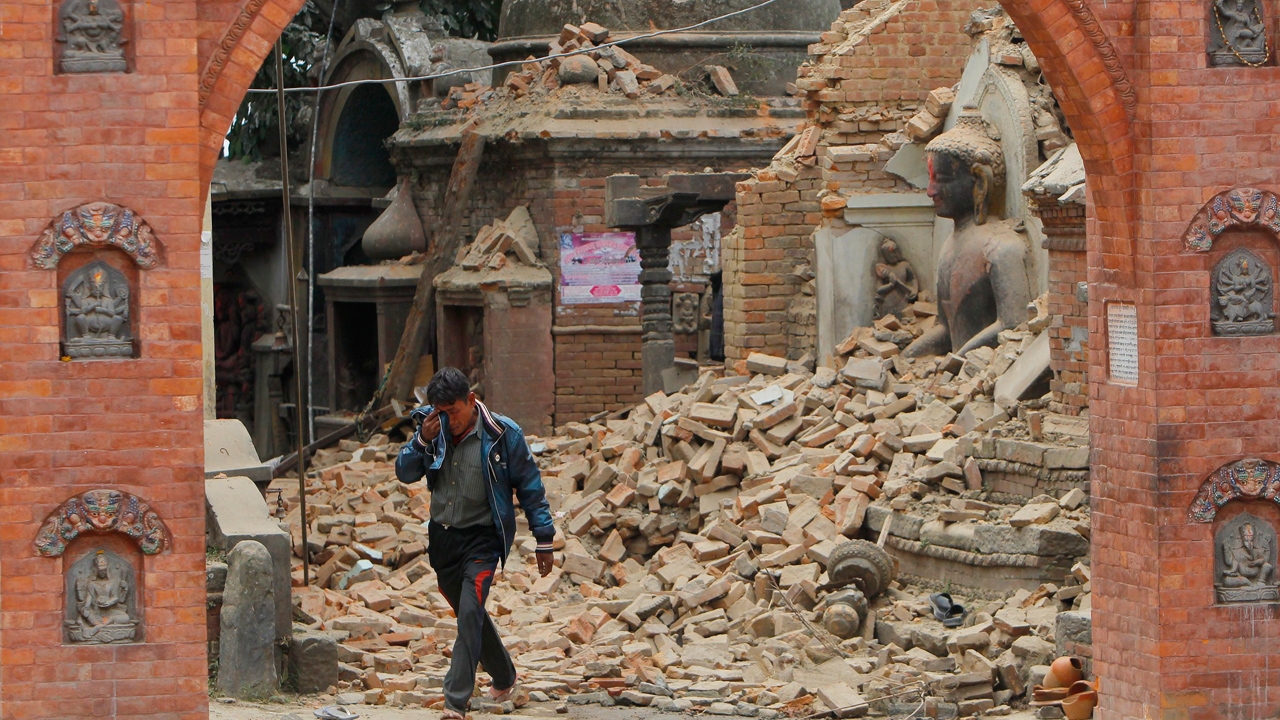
{"points": [[93, 225], [1247, 211], [1249, 486]]}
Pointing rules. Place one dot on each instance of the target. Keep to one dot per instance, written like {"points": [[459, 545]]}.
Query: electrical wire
{"points": [[511, 63], [311, 230]]}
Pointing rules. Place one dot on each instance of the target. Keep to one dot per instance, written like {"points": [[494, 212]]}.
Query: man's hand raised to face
{"points": [[430, 428]]}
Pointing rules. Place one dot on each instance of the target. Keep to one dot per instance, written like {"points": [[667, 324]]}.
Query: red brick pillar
{"points": [[128, 424], [1068, 296]]}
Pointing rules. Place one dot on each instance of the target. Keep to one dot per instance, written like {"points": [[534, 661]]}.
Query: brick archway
{"points": [[243, 43], [1084, 68]]}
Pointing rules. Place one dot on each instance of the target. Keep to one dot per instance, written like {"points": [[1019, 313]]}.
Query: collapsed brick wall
{"points": [[597, 347], [863, 82]]}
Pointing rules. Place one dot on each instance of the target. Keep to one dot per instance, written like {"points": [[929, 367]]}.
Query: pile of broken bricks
{"points": [[695, 531], [610, 68]]}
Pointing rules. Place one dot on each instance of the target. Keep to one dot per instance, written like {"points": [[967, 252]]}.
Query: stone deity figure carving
{"points": [[102, 605], [897, 286], [93, 31], [1242, 293], [982, 282], [1247, 560], [96, 302], [1237, 33]]}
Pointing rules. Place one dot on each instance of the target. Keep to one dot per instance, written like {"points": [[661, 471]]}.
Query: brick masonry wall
{"points": [[135, 425], [867, 77], [597, 347], [1069, 332]]}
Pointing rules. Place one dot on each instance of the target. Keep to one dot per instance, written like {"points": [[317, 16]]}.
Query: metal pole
{"points": [[297, 321]]}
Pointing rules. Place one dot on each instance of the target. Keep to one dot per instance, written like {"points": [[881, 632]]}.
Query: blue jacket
{"points": [[509, 469]]}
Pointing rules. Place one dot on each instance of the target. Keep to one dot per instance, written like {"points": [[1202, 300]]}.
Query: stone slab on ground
{"points": [[235, 512]]}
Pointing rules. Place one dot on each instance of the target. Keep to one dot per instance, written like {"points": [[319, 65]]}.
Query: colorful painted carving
{"points": [[1241, 207], [97, 224], [103, 511], [1250, 479]]}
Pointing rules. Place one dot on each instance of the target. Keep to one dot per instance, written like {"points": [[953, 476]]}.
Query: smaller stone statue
{"points": [[1237, 34], [1246, 549], [982, 269], [1242, 295], [686, 312], [93, 31], [96, 300], [103, 601], [897, 287]]}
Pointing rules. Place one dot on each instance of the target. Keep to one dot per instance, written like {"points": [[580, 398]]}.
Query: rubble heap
{"points": [[611, 69], [696, 533]]}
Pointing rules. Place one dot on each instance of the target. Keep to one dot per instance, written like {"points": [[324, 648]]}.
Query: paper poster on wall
{"points": [[599, 268]]}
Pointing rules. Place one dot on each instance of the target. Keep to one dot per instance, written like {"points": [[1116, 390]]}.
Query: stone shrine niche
{"points": [[91, 34], [102, 600], [1244, 569], [96, 313], [1237, 34], [1242, 295]]}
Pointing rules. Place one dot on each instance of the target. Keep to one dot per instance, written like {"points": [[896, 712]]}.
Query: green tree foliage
{"points": [[254, 126], [467, 18]]}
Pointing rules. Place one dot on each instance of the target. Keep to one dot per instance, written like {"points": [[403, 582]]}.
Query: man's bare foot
{"points": [[451, 714]]}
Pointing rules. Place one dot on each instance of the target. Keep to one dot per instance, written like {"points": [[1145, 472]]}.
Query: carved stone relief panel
{"points": [[95, 303], [1237, 34], [1245, 561], [102, 600], [685, 312], [103, 511], [97, 225], [92, 35], [1242, 295]]}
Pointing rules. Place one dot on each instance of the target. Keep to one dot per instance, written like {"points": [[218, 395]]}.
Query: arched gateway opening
{"points": [[1160, 132]]}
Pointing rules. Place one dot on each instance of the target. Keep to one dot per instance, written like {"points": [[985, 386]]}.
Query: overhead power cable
{"points": [[511, 63]]}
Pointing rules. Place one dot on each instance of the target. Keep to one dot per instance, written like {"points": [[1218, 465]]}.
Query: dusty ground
{"points": [[219, 710]]}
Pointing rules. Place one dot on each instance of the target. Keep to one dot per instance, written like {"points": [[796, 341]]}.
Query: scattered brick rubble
{"points": [[611, 69], [695, 532]]}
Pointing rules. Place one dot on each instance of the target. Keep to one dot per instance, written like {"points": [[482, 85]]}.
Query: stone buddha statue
{"points": [[982, 282]]}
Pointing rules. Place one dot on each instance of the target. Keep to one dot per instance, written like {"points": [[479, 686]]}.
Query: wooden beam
{"points": [[440, 257]]}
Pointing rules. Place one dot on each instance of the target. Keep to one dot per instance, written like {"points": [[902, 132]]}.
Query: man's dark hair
{"points": [[447, 386]]}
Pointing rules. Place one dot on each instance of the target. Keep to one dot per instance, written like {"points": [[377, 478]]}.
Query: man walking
{"points": [[474, 461]]}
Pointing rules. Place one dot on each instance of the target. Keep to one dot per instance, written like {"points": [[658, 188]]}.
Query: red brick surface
{"points": [[133, 139]]}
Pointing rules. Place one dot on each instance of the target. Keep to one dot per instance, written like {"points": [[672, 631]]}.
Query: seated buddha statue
{"points": [[982, 284]]}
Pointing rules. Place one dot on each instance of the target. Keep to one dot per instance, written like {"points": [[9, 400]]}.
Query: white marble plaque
{"points": [[1122, 342]]}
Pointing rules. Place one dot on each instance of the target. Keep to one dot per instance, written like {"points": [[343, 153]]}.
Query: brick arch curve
{"points": [[243, 45], [1094, 91]]}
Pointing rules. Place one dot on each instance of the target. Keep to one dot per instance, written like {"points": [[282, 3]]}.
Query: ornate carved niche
{"points": [[1244, 567], [96, 313], [1237, 34], [103, 511], [1238, 208], [97, 225], [102, 600], [92, 36], [1249, 479], [1242, 295]]}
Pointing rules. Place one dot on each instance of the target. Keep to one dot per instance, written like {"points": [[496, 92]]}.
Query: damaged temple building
{"points": [[877, 503]]}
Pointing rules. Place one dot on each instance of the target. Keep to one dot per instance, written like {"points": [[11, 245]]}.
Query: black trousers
{"points": [[464, 560]]}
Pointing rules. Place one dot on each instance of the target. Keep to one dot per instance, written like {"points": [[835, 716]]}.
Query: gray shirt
{"points": [[461, 498]]}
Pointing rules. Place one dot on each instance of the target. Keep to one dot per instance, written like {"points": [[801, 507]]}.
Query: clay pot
{"points": [[1042, 694], [1064, 671], [1079, 706]]}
